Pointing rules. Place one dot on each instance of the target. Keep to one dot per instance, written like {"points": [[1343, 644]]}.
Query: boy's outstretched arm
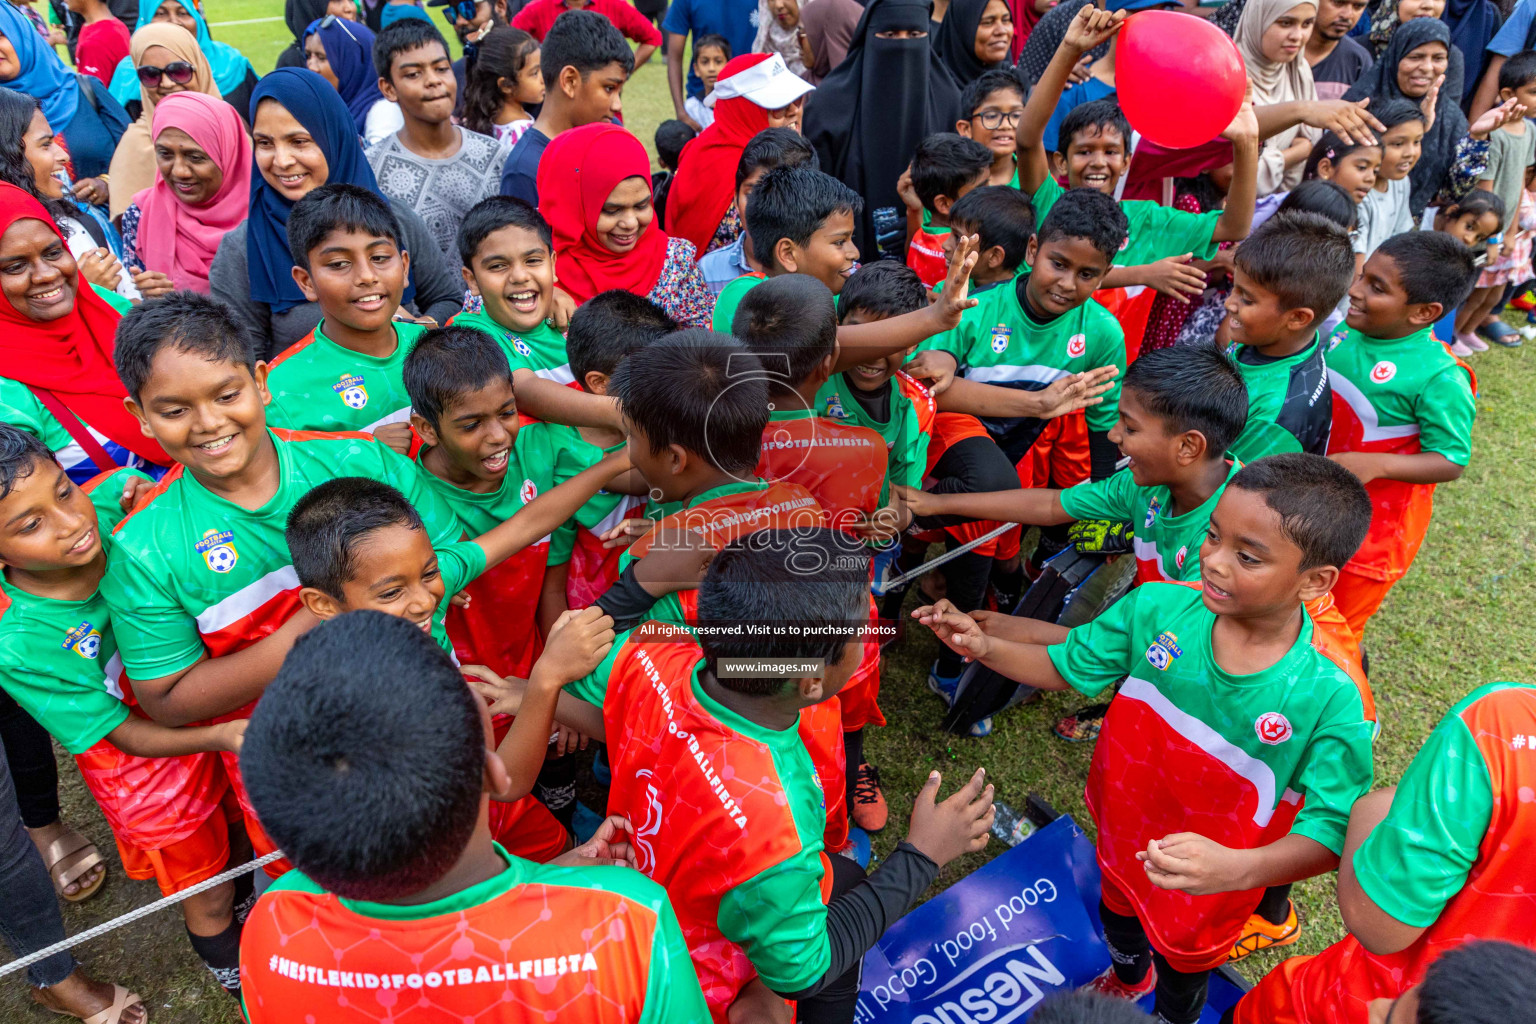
{"points": [[1189, 862], [216, 686], [550, 510], [575, 648], [1035, 506], [1087, 30], [555, 403], [1421, 468], [1021, 662], [143, 738], [1068, 394], [864, 343], [1237, 216]]}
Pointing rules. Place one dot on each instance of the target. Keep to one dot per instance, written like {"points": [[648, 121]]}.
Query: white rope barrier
{"points": [[134, 915]]}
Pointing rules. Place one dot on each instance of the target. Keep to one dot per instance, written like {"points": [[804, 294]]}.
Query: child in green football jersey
{"points": [[358, 543], [1003, 221], [58, 661], [509, 265], [345, 375], [1259, 733], [1093, 151], [1286, 279]]}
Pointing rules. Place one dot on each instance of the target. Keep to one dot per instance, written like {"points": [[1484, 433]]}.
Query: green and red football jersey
{"points": [[541, 350], [1188, 747], [535, 943], [1452, 856], [728, 816], [593, 568], [905, 430], [319, 385], [1401, 397]]}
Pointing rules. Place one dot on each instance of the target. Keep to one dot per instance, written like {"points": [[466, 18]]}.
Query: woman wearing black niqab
{"points": [[867, 117]]}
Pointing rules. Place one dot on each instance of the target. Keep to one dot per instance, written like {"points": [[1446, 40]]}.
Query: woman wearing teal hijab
{"points": [[232, 72]]}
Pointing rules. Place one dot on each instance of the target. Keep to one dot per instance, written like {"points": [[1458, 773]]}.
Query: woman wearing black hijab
{"points": [[974, 37], [867, 117], [298, 14]]}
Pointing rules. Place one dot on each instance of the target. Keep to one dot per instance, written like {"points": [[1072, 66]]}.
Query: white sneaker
{"points": [[1528, 332], [1460, 349]]}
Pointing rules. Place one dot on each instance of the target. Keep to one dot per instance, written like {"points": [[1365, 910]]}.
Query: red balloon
{"points": [[1179, 79]]}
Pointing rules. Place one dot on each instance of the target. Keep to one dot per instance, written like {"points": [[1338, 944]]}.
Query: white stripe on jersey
{"points": [[115, 676], [1370, 424], [1146, 551], [617, 516], [1256, 772], [398, 416], [1005, 374], [246, 600], [560, 374]]}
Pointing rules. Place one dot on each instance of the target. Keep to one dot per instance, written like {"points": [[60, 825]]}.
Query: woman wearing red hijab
{"points": [[56, 335], [595, 191], [754, 91]]}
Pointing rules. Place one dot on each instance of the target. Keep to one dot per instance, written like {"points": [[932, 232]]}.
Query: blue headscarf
{"points": [[229, 65], [43, 76], [349, 49], [318, 107]]}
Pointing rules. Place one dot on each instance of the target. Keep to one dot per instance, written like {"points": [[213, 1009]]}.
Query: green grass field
{"points": [[1453, 624]]}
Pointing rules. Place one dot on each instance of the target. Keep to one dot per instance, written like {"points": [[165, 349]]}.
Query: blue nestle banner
{"points": [[996, 944]]}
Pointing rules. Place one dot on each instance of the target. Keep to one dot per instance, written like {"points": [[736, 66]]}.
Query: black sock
{"points": [[555, 788], [1009, 584], [853, 756], [245, 895], [1275, 904], [221, 955]]}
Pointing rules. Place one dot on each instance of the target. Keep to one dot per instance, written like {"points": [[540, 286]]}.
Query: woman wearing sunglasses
{"points": [[232, 72], [83, 115], [305, 138], [167, 60], [341, 52]]}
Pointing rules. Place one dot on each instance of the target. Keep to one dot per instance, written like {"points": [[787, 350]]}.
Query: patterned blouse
{"points": [[680, 290], [728, 230], [129, 229]]}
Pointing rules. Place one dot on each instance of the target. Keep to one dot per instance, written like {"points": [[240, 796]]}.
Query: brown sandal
{"points": [[122, 1001], [70, 858]]}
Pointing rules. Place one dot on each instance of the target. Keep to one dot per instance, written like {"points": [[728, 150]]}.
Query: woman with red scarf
{"points": [[595, 191], [754, 91], [56, 333]]}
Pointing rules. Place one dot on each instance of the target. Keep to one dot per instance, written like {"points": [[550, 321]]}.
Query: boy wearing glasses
{"points": [[994, 105]]}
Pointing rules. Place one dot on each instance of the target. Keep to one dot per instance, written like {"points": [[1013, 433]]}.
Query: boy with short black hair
{"points": [[585, 62], [800, 221], [158, 788], [711, 53], [1402, 404], [945, 167], [604, 331], [671, 137], [1093, 151], [345, 375], [509, 264], [1287, 277], [769, 148], [373, 732], [1262, 736], [1003, 222], [200, 581], [686, 735], [993, 106], [431, 164], [1428, 867], [358, 544]]}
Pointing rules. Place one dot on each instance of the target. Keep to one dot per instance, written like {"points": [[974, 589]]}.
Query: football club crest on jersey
{"points": [[521, 347], [1076, 345], [218, 549], [1170, 642], [528, 492], [1178, 559], [1272, 728], [350, 388], [84, 640], [1000, 335], [835, 407], [1152, 509], [1383, 371]]}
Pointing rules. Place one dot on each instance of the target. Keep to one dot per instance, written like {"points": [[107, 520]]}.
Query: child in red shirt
{"points": [[945, 167]]}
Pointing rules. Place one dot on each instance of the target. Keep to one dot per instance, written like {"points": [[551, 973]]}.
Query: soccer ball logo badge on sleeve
{"points": [[218, 550], [84, 640], [350, 387]]}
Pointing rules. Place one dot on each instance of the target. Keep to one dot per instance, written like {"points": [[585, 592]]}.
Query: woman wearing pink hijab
{"points": [[202, 190]]}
